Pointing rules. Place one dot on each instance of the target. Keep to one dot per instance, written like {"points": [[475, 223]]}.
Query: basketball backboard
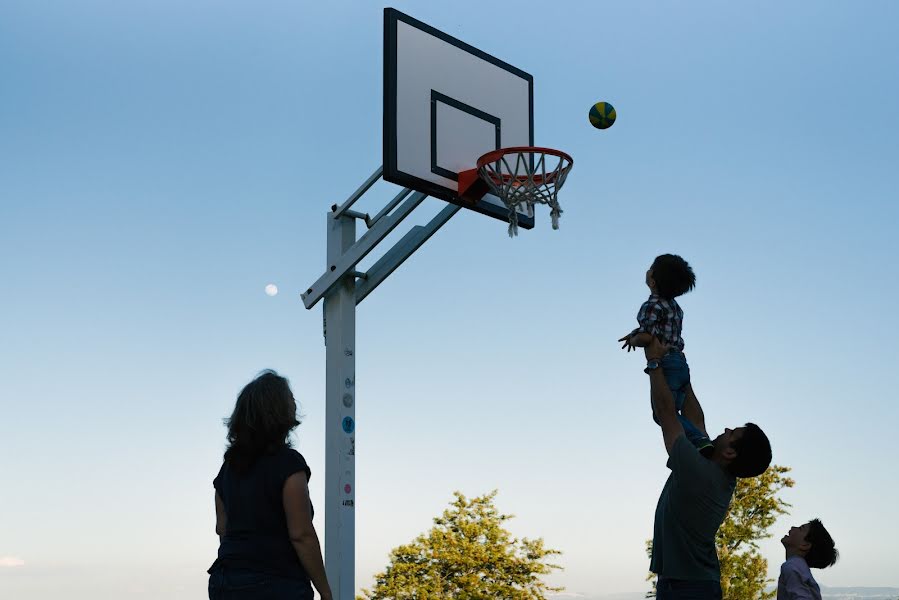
{"points": [[445, 104]]}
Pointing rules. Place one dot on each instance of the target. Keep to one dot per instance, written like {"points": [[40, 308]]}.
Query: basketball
{"points": [[602, 115]]}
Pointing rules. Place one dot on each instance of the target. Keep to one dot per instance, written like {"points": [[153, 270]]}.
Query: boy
{"points": [[669, 276], [806, 546]]}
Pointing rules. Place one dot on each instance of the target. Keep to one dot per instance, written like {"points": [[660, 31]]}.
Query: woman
{"points": [[268, 548]]}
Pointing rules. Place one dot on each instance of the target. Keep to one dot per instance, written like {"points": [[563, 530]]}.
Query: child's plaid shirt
{"points": [[663, 319]]}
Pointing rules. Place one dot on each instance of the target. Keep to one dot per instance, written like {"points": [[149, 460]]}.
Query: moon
{"points": [[271, 289]]}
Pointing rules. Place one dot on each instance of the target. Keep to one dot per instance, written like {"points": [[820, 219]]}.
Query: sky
{"points": [[162, 162]]}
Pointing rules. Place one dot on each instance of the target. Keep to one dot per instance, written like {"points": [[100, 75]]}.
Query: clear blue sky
{"points": [[161, 162]]}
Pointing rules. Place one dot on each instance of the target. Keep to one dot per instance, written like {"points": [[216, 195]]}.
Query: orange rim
{"points": [[516, 181]]}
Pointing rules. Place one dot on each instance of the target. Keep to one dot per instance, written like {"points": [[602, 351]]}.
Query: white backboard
{"points": [[445, 104]]}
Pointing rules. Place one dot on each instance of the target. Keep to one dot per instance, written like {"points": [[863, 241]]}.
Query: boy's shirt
{"points": [[663, 319], [796, 581]]}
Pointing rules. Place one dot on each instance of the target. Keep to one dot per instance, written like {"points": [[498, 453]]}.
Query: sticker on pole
{"points": [[348, 425]]}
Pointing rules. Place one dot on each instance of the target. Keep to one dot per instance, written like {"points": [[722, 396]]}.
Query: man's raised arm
{"points": [[662, 399], [693, 411]]}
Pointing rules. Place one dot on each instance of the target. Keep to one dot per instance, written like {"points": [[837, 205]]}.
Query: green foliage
{"points": [[467, 555], [652, 576], [753, 510]]}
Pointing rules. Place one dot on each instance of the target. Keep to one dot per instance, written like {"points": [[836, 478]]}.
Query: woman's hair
{"points": [[264, 415]]}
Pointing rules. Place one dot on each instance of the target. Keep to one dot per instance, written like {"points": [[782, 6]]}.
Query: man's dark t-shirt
{"points": [[691, 508], [256, 528]]}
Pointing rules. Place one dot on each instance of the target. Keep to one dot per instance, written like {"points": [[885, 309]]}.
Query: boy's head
{"points": [[670, 276], [812, 542], [744, 451]]}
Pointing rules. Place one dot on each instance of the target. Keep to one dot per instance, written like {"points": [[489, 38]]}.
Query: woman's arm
{"points": [[302, 533], [221, 519]]}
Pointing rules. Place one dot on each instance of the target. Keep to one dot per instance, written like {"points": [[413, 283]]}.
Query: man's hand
{"points": [[632, 341], [655, 349]]}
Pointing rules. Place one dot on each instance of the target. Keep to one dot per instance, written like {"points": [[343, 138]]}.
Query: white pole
{"points": [[337, 287], [340, 416]]}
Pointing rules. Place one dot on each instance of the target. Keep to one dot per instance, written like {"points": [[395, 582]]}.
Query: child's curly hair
{"points": [[673, 276]]}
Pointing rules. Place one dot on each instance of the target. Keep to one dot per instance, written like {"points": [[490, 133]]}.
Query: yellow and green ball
{"points": [[602, 115]]}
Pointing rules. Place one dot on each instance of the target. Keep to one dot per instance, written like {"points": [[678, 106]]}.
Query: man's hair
{"points": [[263, 416], [753, 453], [673, 276], [822, 553]]}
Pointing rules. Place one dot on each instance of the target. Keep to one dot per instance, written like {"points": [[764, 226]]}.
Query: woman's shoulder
{"points": [[292, 461], [288, 453]]}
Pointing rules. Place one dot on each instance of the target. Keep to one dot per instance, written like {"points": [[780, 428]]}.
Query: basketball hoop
{"points": [[521, 177]]}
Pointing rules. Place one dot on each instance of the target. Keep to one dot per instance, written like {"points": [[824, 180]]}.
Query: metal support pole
{"points": [[340, 291], [340, 416], [339, 210], [390, 206], [347, 261], [402, 250]]}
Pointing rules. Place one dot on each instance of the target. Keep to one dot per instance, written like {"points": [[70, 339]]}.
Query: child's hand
{"points": [[632, 341], [628, 343]]}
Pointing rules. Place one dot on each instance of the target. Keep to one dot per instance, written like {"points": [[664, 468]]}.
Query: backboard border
{"points": [[460, 106], [391, 172]]}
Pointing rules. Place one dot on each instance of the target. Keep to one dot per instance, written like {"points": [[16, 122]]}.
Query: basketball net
{"points": [[524, 177]]}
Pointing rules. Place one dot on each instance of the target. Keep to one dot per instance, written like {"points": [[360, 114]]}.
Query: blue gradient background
{"points": [[161, 162]]}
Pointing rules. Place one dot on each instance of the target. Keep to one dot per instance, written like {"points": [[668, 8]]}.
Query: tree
{"points": [[753, 510], [466, 555]]}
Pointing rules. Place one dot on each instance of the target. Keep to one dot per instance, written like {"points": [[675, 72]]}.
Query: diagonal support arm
{"points": [[402, 250], [359, 250]]}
